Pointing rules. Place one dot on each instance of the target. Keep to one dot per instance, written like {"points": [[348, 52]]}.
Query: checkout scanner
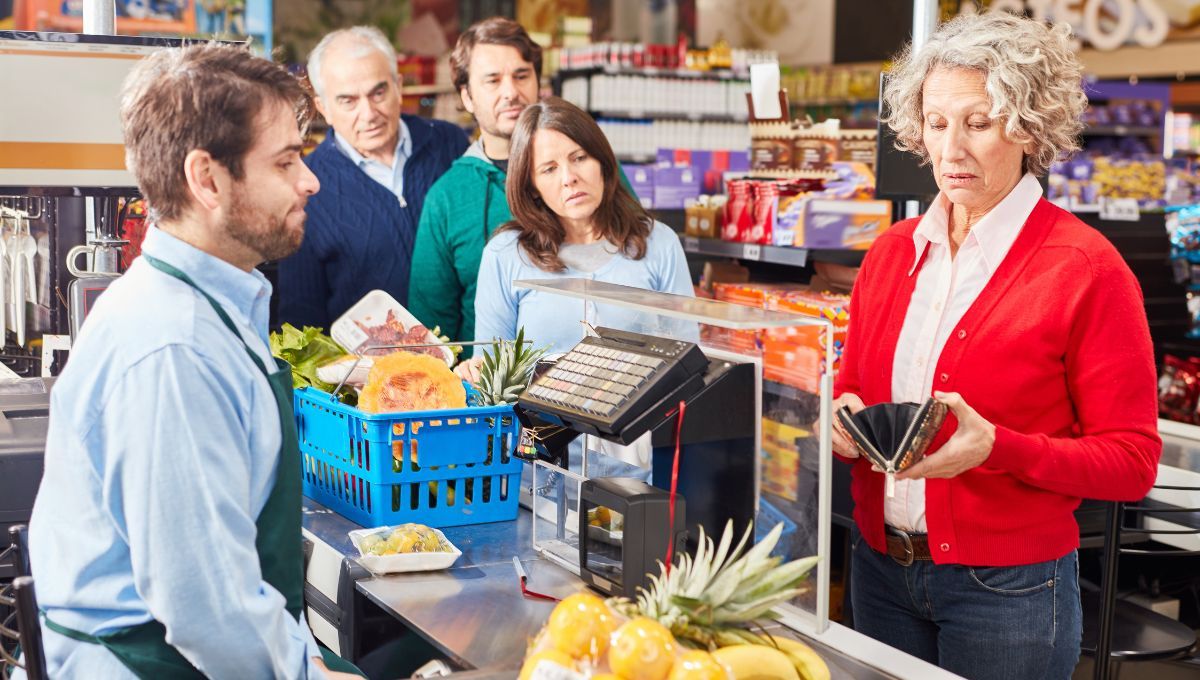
{"points": [[618, 386], [24, 423]]}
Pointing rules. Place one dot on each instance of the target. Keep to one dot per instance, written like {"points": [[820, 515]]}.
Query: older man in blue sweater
{"points": [[375, 167]]}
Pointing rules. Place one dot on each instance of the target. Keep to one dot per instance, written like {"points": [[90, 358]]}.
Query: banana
{"points": [[808, 663], [756, 662]]}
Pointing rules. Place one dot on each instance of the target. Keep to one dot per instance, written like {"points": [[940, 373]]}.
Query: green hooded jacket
{"points": [[462, 210]]}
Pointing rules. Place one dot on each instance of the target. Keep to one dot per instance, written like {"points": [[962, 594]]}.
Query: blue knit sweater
{"points": [[358, 237]]}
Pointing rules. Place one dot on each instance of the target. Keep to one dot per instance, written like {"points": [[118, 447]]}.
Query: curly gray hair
{"points": [[1032, 77]]}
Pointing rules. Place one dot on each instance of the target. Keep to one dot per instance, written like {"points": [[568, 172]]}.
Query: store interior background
{"points": [[1137, 166]]}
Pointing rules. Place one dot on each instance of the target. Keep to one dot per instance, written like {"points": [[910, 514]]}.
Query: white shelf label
{"points": [[691, 244], [752, 251], [1119, 209]]}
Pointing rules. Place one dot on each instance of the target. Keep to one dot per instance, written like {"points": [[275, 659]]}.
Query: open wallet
{"points": [[894, 436]]}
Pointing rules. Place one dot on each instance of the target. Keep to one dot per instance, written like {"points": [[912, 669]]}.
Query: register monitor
{"points": [[61, 132]]}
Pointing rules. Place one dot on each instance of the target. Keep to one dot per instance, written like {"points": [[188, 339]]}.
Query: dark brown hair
{"points": [[206, 97], [620, 218], [494, 31]]}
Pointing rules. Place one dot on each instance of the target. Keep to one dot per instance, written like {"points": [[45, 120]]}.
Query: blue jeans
{"points": [[983, 623]]}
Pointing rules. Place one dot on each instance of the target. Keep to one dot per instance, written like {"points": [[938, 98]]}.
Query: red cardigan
{"points": [[1056, 353]]}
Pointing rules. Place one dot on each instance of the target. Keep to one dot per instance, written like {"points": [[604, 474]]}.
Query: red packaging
{"points": [[766, 194], [738, 211], [1178, 389]]}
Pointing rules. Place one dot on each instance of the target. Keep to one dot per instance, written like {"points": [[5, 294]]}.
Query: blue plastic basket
{"points": [[440, 468]]}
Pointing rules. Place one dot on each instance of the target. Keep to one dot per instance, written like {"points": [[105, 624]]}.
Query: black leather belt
{"points": [[906, 548]]}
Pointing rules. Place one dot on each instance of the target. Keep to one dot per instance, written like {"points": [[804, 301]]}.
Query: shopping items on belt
{"points": [[893, 436]]}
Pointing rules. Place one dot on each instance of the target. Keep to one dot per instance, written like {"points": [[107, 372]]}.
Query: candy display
{"points": [[1183, 229], [1179, 389], [1085, 181]]}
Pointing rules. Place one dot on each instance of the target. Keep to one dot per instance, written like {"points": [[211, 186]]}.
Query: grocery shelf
{"points": [[654, 72], [794, 257], [785, 391], [1122, 131], [424, 90], [831, 101], [672, 115]]}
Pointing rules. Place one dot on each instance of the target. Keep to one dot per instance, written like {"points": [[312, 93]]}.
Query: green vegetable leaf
{"points": [[306, 350]]}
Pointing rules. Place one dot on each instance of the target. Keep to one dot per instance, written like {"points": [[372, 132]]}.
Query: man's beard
{"points": [[260, 231]]}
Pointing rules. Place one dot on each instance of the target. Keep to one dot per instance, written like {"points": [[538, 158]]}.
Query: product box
{"points": [[641, 180], [859, 146], [673, 186], [781, 458], [844, 224], [712, 165], [796, 356], [771, 146]]}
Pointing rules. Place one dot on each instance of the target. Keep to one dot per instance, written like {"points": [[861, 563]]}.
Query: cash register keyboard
{"points": [[607, 380]]}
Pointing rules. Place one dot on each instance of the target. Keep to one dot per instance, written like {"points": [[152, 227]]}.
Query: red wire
{"points": [[535, 595], [674, 489]]}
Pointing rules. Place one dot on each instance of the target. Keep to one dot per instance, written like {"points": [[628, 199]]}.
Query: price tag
{"points": [[752, 251], [691, 244], [1119, 209]]}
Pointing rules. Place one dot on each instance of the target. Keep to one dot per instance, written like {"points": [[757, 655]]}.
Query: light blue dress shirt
{"points": [[163, 443], [554, 320], [392, 178]]}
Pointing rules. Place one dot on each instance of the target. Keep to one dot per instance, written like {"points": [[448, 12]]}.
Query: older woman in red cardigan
{"points": [[1029, 326]]}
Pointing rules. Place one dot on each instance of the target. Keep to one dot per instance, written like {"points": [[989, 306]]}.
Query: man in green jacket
{"points": [[496, 68]]}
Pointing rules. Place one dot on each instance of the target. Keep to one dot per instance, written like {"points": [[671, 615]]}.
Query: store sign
{"points": [[1104, 24]]}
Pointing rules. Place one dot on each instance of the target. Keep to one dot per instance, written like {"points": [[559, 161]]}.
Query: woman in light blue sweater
{"points": [[573, 218]]}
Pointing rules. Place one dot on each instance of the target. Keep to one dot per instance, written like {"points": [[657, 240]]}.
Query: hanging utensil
{"points": [[4, 287], [16, 260], [28, 250]]}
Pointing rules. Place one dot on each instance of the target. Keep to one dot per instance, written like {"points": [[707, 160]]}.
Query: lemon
{"points": [[580, 626], [642, 649], [551, 655], [697, 665]]}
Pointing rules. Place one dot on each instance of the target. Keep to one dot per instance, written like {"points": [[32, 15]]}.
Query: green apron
{"points": [[143, 648]]}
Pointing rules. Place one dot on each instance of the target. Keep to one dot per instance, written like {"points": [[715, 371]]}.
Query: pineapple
{"points": [[713, 599], [506, 370]]}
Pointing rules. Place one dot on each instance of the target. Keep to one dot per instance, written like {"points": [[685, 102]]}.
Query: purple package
{"points": [[672, 186], [641, 180]]}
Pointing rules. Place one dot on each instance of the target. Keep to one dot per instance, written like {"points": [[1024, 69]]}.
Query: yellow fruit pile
{"points": [[406, 538], [583, 635]]}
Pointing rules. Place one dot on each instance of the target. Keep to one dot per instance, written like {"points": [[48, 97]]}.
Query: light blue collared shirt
{"points": [[392, 177], [163, 443]]}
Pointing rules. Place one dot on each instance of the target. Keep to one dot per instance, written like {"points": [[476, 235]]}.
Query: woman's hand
{"points": [[968, 448], [468, 369], [843, 445]]}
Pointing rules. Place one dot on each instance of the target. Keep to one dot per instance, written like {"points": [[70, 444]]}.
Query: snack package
{"points": [[771, 146], [379, 321], [406, 547]]}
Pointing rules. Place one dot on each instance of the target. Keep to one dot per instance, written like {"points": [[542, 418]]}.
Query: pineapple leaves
{"points": [[506, 370], [713, 598]]}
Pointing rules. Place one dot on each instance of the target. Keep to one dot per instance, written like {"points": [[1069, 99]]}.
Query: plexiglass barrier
{"points": [[793, 361]]}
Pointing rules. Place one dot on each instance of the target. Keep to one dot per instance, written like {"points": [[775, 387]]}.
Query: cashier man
{"points": [[165, 539]]}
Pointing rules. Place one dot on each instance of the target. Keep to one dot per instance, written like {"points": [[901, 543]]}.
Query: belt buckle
{"points": [[909, 556]]}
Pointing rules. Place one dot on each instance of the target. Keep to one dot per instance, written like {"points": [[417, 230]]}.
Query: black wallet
{"points": [[894, 436]]}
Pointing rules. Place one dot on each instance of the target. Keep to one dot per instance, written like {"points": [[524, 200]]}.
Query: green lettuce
{"points": [[306, 350]]}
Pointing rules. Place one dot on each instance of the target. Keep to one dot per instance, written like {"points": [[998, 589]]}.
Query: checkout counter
{"points": [[474, 613]]}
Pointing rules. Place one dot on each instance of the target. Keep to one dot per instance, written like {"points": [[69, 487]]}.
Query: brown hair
{"points": [[206, 97], [494, 31], [620, 218]]}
